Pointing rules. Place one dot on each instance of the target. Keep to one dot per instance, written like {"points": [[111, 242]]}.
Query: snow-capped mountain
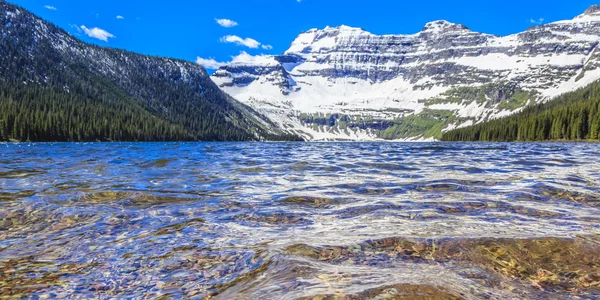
{"points": [[34, 52], [347, 83]]}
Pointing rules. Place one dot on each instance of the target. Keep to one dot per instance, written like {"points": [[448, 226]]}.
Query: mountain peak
{"points": [[444, 74], [590, 14], [343, 28], [315, 39], [592, 10], [442, 26]]}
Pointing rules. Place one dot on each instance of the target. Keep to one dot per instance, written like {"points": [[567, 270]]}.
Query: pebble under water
{"points": [[300, 220]]}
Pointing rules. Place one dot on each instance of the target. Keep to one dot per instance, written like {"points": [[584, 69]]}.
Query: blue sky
{"points": [[188, 29]]}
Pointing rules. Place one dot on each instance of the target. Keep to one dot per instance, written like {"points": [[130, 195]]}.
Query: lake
{"points": [[300, 220]]}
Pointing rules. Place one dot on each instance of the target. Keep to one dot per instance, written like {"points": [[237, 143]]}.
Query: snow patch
{"points": [[348, 70]]}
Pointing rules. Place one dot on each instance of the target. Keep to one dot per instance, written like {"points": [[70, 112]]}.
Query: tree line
{"points": [[56, 88], [34, 113], [573, 116]]}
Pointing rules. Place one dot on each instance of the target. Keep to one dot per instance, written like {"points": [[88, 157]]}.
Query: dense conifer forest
{"points": [[54, 87], [33, 113], [572, 116]]}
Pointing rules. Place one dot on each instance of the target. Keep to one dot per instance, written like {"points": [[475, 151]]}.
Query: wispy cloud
{"points": [[209, 63], [226, 23], [267, 47], [539, 21], [78, 30], [97, 33], [120, 17], [248, 42], [50, 7], [243, 57]]}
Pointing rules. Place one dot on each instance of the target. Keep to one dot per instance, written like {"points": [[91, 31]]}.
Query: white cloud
{"points": [[539, 21], [50, 7], [209, 63], [267, 47], [226, 22], [97, 33], [248, 42], [243, 57], [120, 17]]}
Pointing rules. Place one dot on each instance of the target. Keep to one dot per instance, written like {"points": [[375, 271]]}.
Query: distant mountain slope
{"points": [[347, 83], [55, 87], [572, 116]]}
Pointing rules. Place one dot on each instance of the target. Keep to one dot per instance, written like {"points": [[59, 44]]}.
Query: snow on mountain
{"points": [[34, 51], [345, 83]]}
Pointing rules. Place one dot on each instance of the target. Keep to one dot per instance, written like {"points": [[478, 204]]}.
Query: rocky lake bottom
{"points": [[300, 220]]}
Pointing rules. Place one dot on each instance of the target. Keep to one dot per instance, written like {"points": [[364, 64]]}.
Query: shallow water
{"points": [[294, 220]]}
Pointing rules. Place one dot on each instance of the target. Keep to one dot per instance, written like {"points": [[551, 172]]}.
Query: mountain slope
{"points": [[346, 83], [133, 97], [572, 116]]}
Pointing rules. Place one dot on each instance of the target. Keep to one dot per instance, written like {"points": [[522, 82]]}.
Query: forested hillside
{"points": [[33, 113], [572, 116], [54, 87]]}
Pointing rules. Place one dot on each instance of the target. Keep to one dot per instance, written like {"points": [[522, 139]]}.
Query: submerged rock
{"points": [[314, 202], [129, 199], [20, 277], [10, 196], [549, 263], [277, 218], [394, 292], [569, 196], [569, 265]]}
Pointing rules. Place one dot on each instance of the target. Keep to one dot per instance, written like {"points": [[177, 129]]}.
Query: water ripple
{"points": [[300, 220]]}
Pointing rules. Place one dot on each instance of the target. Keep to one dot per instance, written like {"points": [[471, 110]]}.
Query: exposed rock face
{"points": [[593, 10], [373, 78]]}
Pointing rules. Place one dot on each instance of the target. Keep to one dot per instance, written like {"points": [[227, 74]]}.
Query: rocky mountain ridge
{"points": [[37, 55], [344, 83]]}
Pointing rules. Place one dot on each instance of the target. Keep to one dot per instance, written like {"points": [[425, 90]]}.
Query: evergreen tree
{"points": [[54, 87], [572, 116]]}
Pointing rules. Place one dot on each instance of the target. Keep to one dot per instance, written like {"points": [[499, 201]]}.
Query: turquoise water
{"points": [[219, 219]]}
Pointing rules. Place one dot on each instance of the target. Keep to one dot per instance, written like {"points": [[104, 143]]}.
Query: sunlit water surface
{"points": [[292, 220]]}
